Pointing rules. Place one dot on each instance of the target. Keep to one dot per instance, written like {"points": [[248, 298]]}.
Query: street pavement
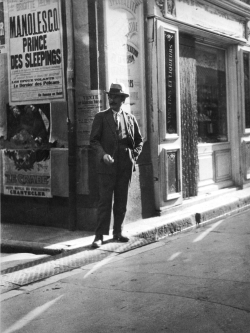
{"points": [[34, 242], [190, 282]]}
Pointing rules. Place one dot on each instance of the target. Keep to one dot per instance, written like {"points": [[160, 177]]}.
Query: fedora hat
{"points": [[117, 89]]}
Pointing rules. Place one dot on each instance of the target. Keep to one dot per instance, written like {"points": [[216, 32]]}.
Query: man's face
{"points": [[115, 101], [16, 111]]}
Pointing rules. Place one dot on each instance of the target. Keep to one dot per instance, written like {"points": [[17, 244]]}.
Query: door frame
{"points": [[169, 144]]}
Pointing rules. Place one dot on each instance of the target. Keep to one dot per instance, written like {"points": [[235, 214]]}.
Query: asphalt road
{"points": [[193, 282]]}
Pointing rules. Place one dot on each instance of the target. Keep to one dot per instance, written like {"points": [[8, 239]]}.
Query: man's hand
{"points": [[108, 159]]}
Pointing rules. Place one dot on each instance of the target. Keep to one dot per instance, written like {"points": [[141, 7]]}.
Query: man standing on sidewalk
{"points": [[117, 140]]}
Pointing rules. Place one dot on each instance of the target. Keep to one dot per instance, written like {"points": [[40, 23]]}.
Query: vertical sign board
{"points": [[27, 173], [2, 28], [35, 51], [170, 83], [125, 53]]}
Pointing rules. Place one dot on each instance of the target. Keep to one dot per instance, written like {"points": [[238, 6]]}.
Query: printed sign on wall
{"points": [[35, 51], [2, 29], [125, 53], [87, 106], [27, 173]]}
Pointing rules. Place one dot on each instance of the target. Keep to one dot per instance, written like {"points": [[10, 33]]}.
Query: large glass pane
{"points": [[211, 94], [246, 61]]}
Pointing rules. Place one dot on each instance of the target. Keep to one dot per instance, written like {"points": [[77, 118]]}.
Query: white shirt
{"points": [[121, 121]]}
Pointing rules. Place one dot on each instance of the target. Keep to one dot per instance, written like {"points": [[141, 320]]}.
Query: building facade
{"points": [[186, 65]]}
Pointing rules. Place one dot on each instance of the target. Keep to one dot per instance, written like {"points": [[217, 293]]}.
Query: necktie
{"points": [[117, 122], [118, 125]]}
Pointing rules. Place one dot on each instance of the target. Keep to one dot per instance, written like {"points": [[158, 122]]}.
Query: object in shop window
{"points": [[33, 123], [14, 121], [202, 117], [210, 128], [27, 126], [1, 29], [222, 138]]}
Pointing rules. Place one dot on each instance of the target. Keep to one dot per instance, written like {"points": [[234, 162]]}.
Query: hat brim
{"points": [[117, 93]]}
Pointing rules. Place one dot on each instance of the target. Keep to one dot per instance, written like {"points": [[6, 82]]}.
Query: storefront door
{"points": [[169, 115], [195, 114], [206, 151]]}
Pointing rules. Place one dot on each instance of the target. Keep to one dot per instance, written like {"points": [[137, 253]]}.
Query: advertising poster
{"points": [[87, 106], [2, 29], [35, 51], [27, 173], [125, 52]]}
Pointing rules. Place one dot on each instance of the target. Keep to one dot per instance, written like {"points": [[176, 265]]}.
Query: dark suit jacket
{"points": [[104, 140]]}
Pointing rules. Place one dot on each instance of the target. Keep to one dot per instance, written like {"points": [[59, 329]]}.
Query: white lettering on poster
{"points": [[27, 173]]}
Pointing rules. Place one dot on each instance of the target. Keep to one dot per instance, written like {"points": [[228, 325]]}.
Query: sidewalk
{"points": [[47, 240], [65, 245]]}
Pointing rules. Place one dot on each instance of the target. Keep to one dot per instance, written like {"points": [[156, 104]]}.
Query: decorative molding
{"points": [[171, 8], [247, 160], [235, 6], [248, 30], [167, 7], [161, 5], [171, 166], [223, 168]]}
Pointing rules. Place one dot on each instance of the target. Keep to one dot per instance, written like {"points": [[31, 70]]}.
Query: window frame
{"points": [[162, 106], [223, 48], [245, 130]]}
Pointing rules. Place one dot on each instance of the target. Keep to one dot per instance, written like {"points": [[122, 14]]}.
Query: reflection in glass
{"points": [[211, 94]]}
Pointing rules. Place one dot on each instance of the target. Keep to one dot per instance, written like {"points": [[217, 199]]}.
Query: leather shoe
{"points": [[120, 238], [97, 241]]}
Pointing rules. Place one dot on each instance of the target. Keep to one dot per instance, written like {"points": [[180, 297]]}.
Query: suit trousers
{"points": [[114, 188]]}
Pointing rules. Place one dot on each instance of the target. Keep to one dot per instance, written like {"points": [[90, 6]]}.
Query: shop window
{"points": [[211, 94], [246, 68], [28, 126]]}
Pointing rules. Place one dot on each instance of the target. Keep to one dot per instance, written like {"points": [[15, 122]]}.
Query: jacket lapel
{"points": [[110, 119], [129, 128], [127, 124]]}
